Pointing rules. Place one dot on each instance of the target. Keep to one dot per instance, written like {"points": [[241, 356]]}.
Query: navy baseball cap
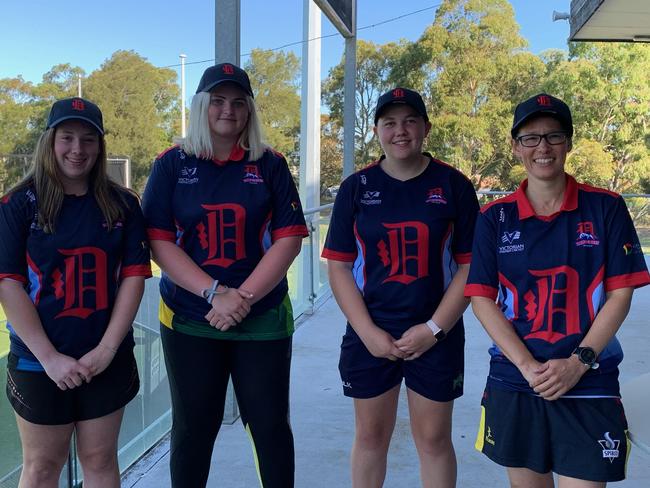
{"points": [[401, 95], [221, 73], [76, 108], [542, 104]]}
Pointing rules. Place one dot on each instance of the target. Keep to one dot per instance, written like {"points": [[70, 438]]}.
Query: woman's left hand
{"points": [[416, 341], [97, 359]]}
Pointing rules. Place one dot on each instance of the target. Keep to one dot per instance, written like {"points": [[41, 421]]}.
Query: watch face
{"points": [[587, 355]]}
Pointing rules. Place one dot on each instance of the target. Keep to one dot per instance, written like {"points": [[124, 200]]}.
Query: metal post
{"points": [[226, 31], [349, 105], [183, 56], [310, 131], [79, 85]]}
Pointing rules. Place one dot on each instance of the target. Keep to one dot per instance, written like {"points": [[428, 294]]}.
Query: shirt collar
{"points": [[569, 203], [236, 154]]}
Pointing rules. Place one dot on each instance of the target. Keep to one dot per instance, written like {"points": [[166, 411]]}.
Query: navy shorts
{"points": [[37, 399], [583, 438], [436, 375]]}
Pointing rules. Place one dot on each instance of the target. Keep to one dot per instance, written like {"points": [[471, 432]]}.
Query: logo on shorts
{"points": [[610, 447], [458, 381], [347, 384], [488, 437]]}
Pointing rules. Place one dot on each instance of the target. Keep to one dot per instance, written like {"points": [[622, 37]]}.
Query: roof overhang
{"points": [[610, 20]]}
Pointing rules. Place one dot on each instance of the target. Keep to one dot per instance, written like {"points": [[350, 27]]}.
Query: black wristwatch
{"points": [[587, 356]]}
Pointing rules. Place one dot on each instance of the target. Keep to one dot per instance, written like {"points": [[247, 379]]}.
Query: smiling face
{"points": [[544, 162], [401, 132], [228, 112], [76, 148]]}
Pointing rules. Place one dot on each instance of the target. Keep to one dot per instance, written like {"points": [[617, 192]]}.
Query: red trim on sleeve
{"points": [[160, 235], [347, 257], [15, 277], [290, 231], [636, 280], [475, 290], [463, 257], [136, 270]]}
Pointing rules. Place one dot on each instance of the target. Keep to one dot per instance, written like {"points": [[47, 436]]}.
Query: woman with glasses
{"points": [[553, 270], [73, 260], [398, 251]]}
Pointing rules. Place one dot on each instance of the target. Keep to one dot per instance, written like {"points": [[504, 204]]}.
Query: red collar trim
{"points": [[569, 203], [236, 154]]}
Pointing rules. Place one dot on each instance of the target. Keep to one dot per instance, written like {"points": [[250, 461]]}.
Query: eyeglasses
{"points": [[533, 140]]}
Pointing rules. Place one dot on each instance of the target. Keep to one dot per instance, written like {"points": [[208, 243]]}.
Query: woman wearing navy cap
{"points": [[225, 223], [73, 259], [555, 265], [398, 251]]}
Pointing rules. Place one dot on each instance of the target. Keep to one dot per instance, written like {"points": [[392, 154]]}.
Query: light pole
{"points": [[183, 56]]}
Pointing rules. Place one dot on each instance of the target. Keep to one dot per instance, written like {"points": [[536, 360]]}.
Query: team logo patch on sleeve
{"points": [[610, 447]]}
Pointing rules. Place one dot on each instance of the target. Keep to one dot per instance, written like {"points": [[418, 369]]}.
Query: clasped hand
{"points": [[66, 371], [229, 308], [555, 377], [411, 345]]}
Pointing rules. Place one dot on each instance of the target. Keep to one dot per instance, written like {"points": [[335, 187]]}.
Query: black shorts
{"points": [[37, 399], [583, 438], [436, 375]]}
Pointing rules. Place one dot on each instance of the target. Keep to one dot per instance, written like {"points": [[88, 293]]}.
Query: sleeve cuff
{"points": [[634, 280], [347, 257], [291, 231], [161, 235], [475, 290], [136, 270], [15, 277]]}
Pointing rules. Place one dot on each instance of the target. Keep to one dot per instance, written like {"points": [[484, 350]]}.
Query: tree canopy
{"points": [[470, 64]]}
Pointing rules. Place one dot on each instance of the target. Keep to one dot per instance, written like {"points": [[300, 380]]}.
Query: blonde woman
{"points": [[225, 223]]}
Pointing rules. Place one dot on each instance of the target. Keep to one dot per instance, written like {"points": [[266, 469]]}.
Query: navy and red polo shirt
{"points": [[551, 274], [225, 215], [404, 238], [73, 274]]}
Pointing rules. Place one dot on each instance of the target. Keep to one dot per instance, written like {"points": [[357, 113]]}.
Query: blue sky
{"points": [[38, 34]]}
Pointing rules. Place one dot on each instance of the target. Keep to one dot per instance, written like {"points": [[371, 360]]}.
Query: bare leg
{"points": [[566, 482], [97, 450], [45, 451], [374, 424], [431, 428], [527, 478]]}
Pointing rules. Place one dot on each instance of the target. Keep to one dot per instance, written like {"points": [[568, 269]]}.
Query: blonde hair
{"points": [[45, 176], [198, 141]]}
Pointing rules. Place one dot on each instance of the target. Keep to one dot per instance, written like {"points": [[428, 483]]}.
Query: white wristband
{"points": [[435, 328]]}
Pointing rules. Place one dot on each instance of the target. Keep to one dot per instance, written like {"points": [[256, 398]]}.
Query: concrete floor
{"points": [[322, 418]]}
